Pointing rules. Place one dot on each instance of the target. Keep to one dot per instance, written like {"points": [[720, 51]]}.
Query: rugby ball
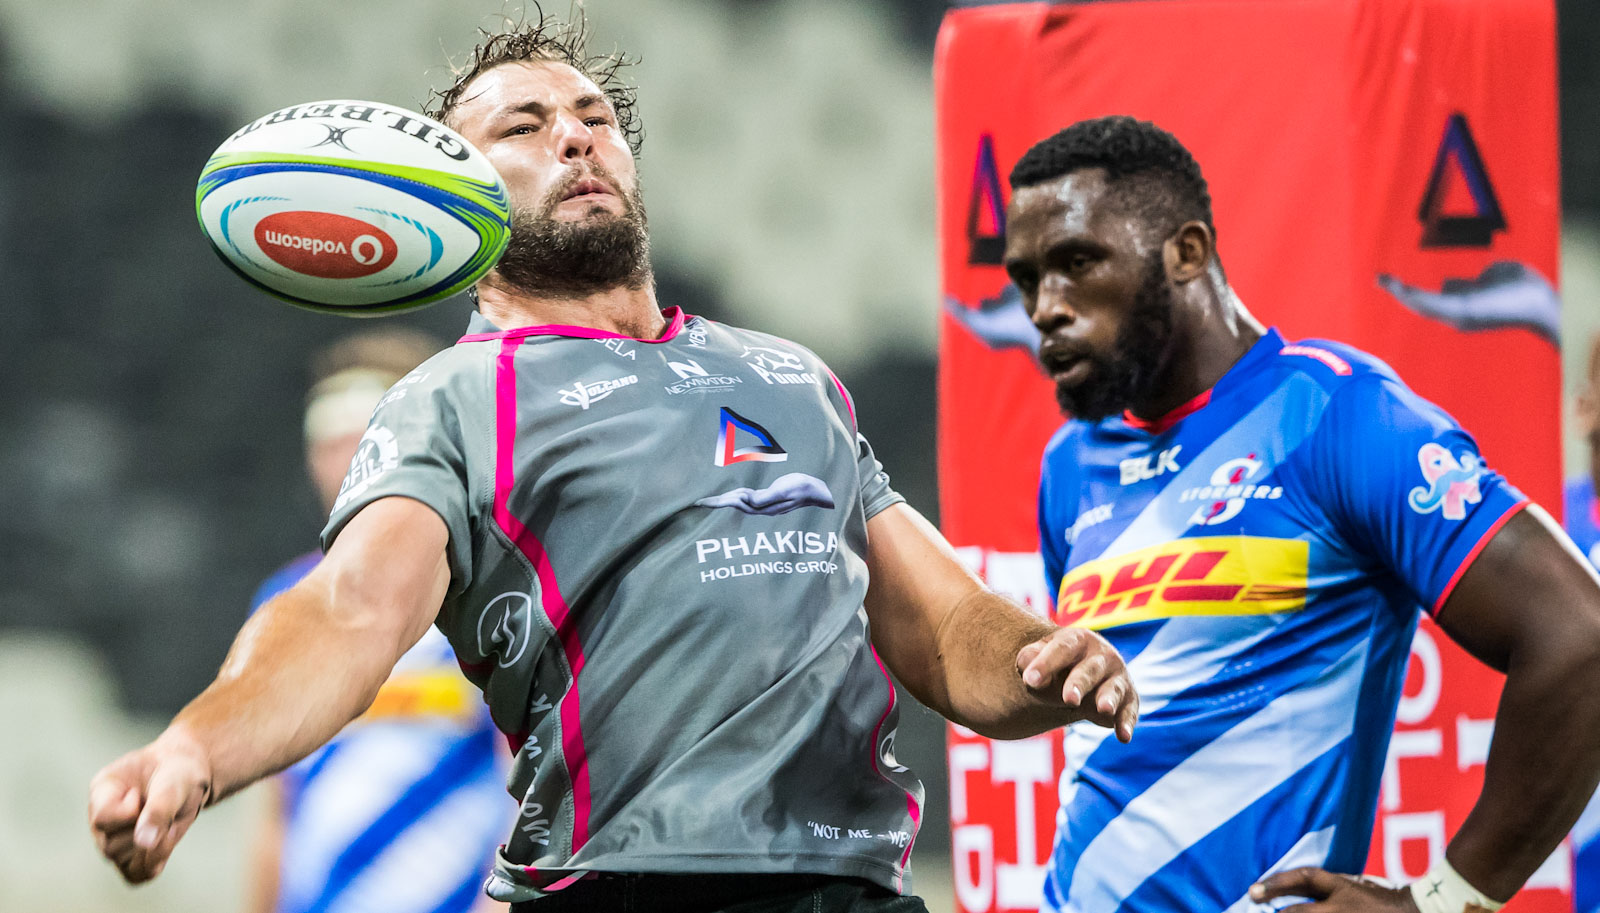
{"points": [[353, 207]]}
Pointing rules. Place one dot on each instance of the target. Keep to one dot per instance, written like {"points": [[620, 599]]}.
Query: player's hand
{"points": [[1086, 672], [141, 804], [1332, 893]]}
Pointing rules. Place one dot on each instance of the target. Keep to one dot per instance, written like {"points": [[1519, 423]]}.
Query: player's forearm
{"points": [[297, 673], [1542, 768], [978, 646]]}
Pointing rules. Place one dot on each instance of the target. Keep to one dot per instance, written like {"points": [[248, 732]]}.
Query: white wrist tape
{"points": [[1443, 890]]}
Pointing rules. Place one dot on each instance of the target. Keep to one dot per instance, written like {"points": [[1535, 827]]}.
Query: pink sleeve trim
{"points": [[1438, 604]]}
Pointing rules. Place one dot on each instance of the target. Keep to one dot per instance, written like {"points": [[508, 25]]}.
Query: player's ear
{"points": [[1188, 252]]}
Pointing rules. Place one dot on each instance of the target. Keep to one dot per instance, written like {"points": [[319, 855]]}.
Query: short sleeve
{"points": [[413, 447], [1408, 486], [876, 493]]}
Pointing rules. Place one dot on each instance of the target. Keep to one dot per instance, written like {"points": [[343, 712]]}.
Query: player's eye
{"points": [[523, 130], [597, 122], [1025, 279]]}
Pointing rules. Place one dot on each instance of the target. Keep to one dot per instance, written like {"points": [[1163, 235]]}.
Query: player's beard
{"points": [[1141, 350], [550, 257]]}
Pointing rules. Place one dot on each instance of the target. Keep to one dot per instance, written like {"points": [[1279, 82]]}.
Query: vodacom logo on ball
{"points": [[324, 244]]}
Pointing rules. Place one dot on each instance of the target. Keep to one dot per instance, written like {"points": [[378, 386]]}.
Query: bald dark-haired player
{"points": [[1284, 510], [660, 547]]}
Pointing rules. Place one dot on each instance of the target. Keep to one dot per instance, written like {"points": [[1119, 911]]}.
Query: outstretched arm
{"points": [[310, 661], [1529, 606], [976, 657]]}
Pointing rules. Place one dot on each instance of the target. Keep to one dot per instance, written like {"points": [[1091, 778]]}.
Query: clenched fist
{"points": [[141, 804], [1086, 672]]}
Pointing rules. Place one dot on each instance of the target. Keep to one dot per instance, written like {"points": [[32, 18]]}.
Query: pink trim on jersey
{"points": [[848, 402], [675, 320], [555, 607], [1339, 365], [911, 800], [1472, 556]]}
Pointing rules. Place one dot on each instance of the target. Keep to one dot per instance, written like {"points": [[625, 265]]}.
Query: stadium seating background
{"points": [[150, 463]]}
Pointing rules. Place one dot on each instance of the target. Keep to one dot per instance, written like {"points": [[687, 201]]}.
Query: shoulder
{"points": [[1333, 365], [1360, 387]]}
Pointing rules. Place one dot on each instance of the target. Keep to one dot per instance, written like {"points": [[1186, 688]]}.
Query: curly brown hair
{"points": [[547, 38]]}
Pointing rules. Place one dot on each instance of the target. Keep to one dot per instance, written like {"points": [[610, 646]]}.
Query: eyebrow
{"points": [[539, 109]]}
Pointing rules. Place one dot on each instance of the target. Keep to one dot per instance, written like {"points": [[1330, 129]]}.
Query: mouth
{"points": [[588, 188], [1066, 366]]}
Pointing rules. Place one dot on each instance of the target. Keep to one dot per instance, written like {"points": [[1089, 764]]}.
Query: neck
{"points": [[1212, 331], [625, 310]]}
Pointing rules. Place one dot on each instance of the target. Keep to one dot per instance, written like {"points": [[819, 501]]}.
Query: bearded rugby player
{"points": [[1302, 506], [646, 536]]}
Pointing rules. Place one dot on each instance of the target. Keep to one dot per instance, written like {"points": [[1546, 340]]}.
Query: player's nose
{"points": [[575, 139], [1052, 309]]}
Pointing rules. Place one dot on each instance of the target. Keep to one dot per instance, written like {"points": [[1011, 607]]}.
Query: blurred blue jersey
{"points": [[402, 811], [1583, 525], [1259, 558]]}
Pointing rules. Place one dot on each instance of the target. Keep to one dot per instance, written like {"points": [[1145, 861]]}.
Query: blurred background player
{"points": [[1583, 524], [402, 811]]}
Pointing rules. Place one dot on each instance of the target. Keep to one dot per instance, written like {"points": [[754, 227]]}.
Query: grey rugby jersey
{"points": [[656, 556]]}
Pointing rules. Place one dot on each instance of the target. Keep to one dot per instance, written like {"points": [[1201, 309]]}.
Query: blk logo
{"points": [[1459, 208], [986, 237]]}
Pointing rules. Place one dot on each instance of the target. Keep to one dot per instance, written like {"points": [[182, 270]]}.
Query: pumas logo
{"points": [[1452, 482], [734, 436], [1140, 469], [775, 366], [692, 378], [1230, 488], [376, 453], [1213, 575], [504, 627], [584, 395], [789, 492]]}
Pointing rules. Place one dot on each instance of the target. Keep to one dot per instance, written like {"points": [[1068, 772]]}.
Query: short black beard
{"points": [[551, 258], [1128, 375]]}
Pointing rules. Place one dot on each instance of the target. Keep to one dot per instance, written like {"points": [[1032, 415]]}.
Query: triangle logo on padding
{"points": [[1459, 208], [986, 213]]}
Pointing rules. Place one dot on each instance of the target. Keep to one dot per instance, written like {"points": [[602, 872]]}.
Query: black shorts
{"points": [[649, 893]]}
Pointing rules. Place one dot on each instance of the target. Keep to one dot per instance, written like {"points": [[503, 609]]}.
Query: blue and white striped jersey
{"points": [[1583, 525], [1258, 557], [402, 811]]}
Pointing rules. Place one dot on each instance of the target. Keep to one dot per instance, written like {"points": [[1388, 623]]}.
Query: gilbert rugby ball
{"points": [[353, 207]]}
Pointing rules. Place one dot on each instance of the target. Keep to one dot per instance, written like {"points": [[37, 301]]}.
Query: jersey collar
{"points": [[1268, 345], [479, 329]]}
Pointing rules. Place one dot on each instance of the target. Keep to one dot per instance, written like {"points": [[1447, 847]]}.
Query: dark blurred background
{"points": [[151, 463]]}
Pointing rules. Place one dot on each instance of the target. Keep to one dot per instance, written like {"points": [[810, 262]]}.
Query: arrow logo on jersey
{"points": [[734, 437]]}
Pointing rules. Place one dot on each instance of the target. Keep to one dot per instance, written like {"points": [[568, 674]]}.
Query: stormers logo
{"points": [[324, 244], [1214, 575], [1452, 483]]}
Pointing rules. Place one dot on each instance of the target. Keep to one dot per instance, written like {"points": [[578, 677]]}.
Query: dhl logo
{"points": [[409, 695], [1214, 575]]}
